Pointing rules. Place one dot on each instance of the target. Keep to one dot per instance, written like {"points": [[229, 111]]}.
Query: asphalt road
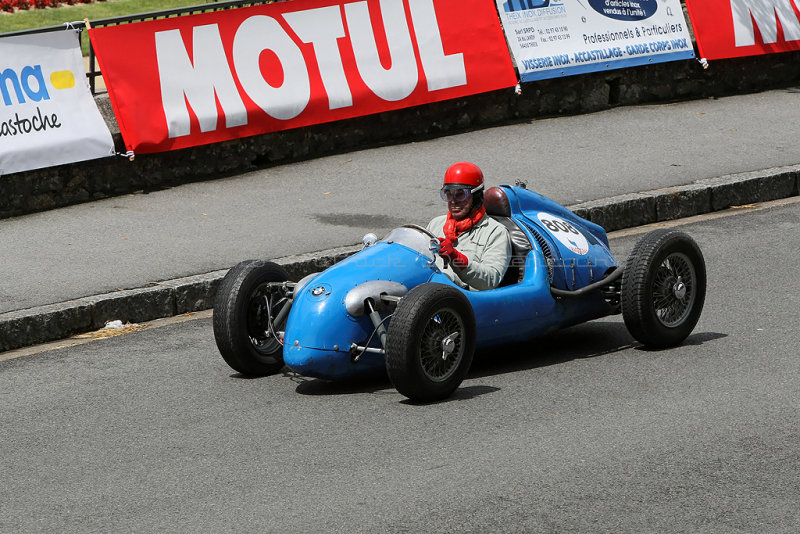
{"points": [[582, 431], [129, 241]]}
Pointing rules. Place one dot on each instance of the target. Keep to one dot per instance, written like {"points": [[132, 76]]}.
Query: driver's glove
{"points": [[448, 251]]}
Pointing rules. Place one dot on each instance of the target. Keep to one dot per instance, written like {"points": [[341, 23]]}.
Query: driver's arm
{"points": [[487, 263]]}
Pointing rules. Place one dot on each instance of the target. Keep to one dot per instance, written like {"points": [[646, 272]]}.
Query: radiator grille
{"points": [[542, 242]]}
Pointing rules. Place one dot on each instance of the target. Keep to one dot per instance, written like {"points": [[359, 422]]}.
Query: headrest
{"points": [[496, 202]]}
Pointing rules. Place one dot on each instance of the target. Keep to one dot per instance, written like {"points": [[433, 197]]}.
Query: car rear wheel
{"points": [[663, 288], [430, 342], [243, 308]]}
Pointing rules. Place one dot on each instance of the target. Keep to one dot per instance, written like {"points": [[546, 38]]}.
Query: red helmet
{"points": [[463, 175]]}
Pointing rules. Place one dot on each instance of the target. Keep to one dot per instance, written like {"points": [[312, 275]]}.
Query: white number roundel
{"points": [[565, 232]]}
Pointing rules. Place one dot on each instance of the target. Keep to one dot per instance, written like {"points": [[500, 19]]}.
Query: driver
{"points": [[475, 249]]}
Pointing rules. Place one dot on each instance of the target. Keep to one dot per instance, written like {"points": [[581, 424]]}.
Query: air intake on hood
{"points": [[542, 242]]}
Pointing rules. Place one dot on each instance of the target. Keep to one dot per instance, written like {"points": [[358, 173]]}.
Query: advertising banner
{"points": [[735, 28], [205, 78], [47, 115], [553, 38]]}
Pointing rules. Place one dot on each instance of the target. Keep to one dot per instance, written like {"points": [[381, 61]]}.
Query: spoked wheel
{"points": [[674, 289], [245, 307], [663, 288], [441, 348], [430, 342]]}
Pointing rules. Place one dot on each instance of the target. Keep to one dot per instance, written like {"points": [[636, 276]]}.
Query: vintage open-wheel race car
{"points": [[389, 306]]}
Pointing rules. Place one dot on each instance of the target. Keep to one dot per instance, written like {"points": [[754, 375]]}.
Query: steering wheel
{"points": [[434, 239], [419, 228]]}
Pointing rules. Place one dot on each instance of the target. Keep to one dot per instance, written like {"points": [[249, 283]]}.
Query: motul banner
{"points": [[205, 78], [47, 115], [735, 28]]}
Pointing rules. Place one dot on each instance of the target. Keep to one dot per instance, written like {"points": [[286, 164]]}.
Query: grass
{"points": [[40, 18]]}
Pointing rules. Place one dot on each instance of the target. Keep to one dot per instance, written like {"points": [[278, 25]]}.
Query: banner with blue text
{"points": [[554, 38], [47, 114]]}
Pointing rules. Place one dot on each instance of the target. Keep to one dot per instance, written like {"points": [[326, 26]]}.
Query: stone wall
{"points": [[65, 185]]}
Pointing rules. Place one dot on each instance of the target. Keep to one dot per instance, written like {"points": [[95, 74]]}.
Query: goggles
{"points": [[458, 195]]}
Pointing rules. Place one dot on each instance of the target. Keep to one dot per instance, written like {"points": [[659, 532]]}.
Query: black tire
{"points": [[663, 288], [241, 314], [417, 362]]}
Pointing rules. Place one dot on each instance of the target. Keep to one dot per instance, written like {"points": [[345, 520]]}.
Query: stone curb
{"points": [[194, 293], [161, 299], [702, 196]]}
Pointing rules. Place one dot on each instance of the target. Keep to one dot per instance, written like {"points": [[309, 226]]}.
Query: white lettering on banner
{"points": [[441, 71], [763, 11], [260, 33], [207, 76], [399, 80], [322, 27], [198, 83]]}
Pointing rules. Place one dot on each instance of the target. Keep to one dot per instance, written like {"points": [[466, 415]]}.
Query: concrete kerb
{"points": [[194, 293], [702, 196], [160, 299]]}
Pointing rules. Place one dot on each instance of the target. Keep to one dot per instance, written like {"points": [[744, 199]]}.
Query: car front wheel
{"points": [[244, 308], [430, 342]]}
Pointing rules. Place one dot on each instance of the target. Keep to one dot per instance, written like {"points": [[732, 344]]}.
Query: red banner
{"points": [[735, 28], [187, 81]]}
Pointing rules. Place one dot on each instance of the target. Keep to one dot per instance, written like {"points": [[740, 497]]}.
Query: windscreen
{"points": [[413, 239]]}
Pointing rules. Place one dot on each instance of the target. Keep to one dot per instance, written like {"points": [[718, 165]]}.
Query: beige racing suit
{"points": [[488, 249]]}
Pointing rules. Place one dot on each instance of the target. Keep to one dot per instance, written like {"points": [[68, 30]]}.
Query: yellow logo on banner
{"points": [[62, 79]]}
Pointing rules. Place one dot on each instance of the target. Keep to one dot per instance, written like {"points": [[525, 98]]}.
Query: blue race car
{"points": [[389, 306]]}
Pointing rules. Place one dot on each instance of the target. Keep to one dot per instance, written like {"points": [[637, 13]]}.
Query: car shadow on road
{"points": [[370, 383], [694, 340], [588, 340], [376, 384]]}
